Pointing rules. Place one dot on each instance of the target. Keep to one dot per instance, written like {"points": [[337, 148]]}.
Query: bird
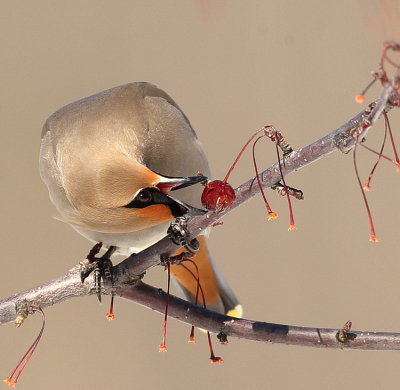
{"points": [[110, 161]]}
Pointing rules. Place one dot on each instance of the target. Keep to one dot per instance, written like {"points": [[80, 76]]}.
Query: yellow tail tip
{"points": [[237, 311]]}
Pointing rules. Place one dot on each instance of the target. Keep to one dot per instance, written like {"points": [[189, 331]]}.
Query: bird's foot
{"points": [[179, 234], [100, 266]]}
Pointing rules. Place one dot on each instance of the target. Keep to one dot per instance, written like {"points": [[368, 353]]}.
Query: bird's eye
{"points": [[144, 196]]}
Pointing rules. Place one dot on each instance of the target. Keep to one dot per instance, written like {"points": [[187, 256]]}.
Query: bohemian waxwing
{"points": [[109, 162]]}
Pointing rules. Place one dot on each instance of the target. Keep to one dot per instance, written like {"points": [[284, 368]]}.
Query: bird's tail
{"points": [[217, 294]]}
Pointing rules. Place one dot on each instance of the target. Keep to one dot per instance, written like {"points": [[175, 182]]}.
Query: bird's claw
{"points": [[179, 234], [100, 266]]}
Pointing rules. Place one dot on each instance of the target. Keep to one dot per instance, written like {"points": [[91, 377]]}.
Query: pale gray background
{"points": [[232, 66]]}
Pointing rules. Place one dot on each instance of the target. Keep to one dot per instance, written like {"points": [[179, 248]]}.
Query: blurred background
{"points": [[232, 66]]}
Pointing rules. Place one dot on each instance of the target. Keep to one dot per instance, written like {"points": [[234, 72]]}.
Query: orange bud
{"points": [[110, 316], [360, 98], [373, 238], [272, 215], [10, 382]]}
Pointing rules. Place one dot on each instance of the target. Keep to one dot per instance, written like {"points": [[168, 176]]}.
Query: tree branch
{"points": [[129, 271], [256, 330]]}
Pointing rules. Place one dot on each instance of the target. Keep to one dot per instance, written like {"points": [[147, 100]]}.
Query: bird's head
{"points": [[119, 194]]}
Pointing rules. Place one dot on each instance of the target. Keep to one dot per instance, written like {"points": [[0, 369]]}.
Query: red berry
{"points": [[217, 195]]}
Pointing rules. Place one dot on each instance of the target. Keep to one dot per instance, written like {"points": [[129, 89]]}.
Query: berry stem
{"points": [[271, 214], [292, 225], [392, 139], [12, 380], [367, 184], [240, 153], [163, 346], [372, 236]]}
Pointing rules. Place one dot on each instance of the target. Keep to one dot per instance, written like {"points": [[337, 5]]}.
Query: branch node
{"points": [[344, 141], [343, 335], [23, 308], [222, 337]]}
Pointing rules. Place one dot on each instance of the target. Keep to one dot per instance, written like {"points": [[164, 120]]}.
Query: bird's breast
{"points": [[127, 243]]}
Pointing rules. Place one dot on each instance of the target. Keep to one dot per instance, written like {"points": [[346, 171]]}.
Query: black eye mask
{"points": [[151, 196]]}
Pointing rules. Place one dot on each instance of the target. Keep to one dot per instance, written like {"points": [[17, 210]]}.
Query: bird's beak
{"points": [[168, 184], [186, 209]]}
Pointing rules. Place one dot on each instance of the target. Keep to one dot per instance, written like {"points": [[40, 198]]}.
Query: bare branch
{"points": [[129, 271], [260, 331]]}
